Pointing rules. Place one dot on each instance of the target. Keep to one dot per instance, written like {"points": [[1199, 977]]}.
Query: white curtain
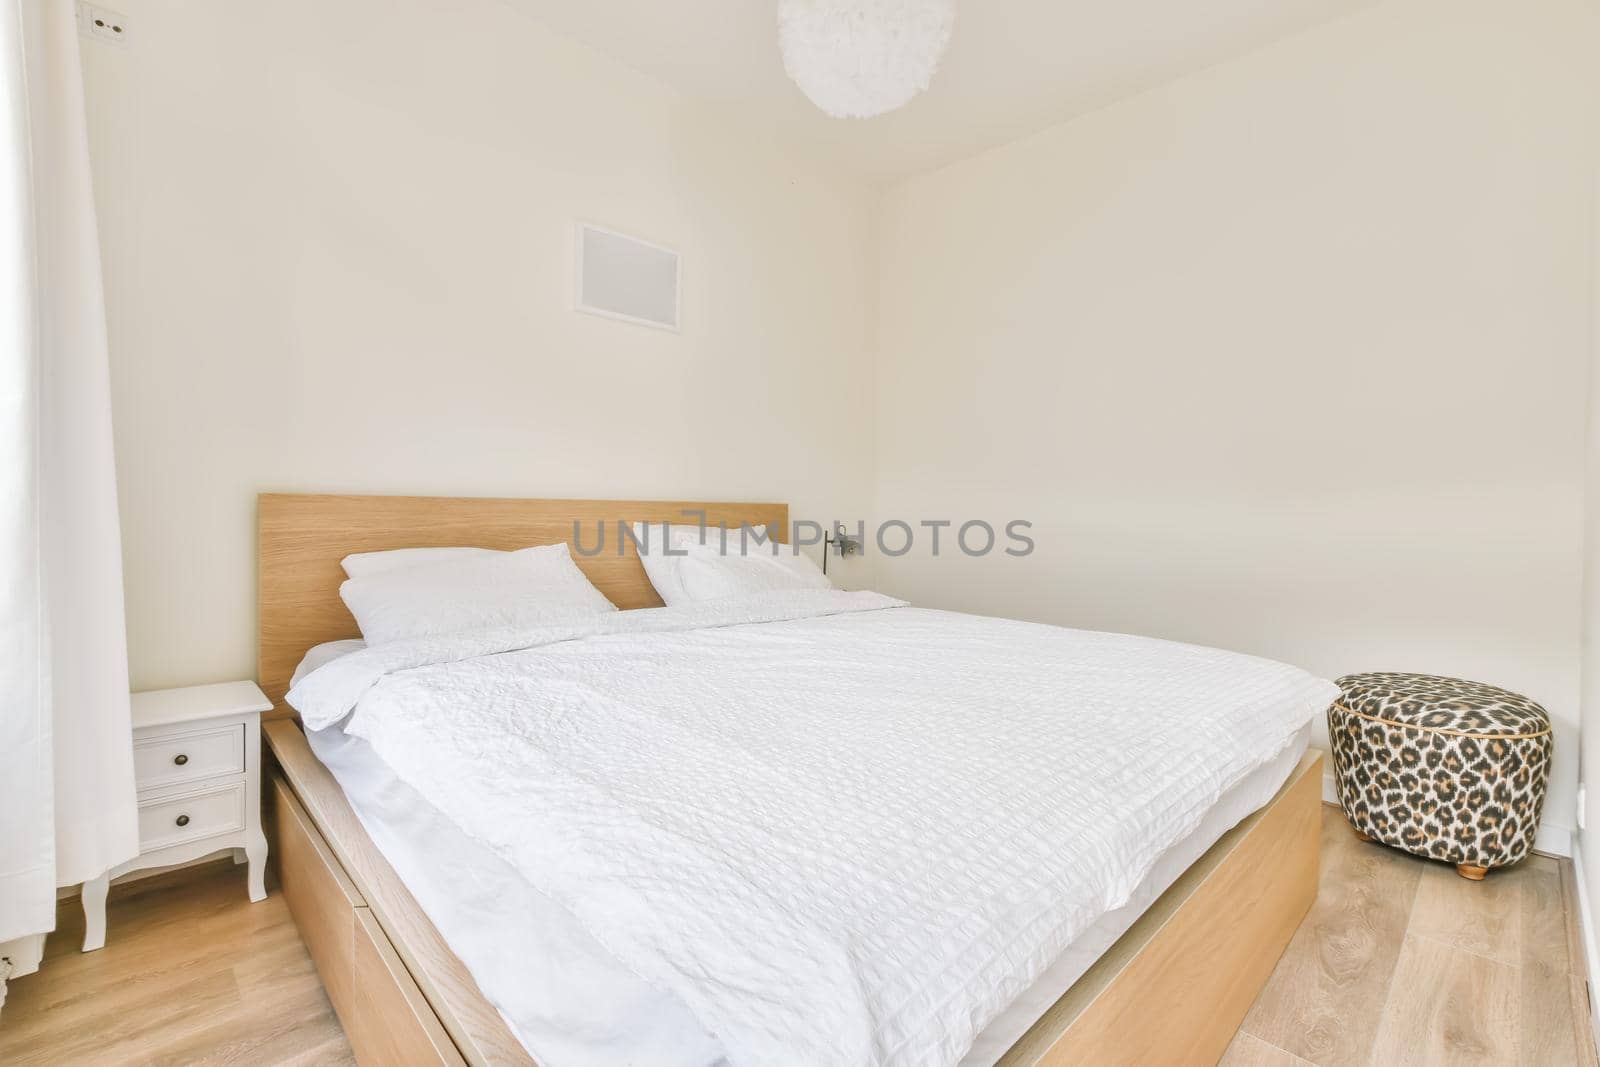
{"points": [[66, 762]]}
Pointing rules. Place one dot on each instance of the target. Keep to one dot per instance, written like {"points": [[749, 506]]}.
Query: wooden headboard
{"points": [[302, 537]]}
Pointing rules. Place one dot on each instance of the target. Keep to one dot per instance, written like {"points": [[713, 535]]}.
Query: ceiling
{"points": [[1013, 67]]}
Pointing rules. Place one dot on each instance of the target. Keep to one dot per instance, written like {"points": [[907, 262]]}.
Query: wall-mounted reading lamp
{"points": [[841, 543]]}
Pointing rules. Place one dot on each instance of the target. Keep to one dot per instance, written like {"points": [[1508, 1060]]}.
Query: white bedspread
{"points": [[844, 832]]}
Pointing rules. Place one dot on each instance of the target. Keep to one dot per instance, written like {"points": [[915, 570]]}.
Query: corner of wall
{"points": [[1589, 591]]}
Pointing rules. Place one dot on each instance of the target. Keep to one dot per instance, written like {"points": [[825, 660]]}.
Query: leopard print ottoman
{"points": [[1441, 767]]}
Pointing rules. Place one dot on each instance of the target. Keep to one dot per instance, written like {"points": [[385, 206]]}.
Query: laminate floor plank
{"points": [[1483, 918], [192, 973], [1448, 1007], [1248, 1051], [1588, 1055], [1549, 1024], [1320, 1002]]}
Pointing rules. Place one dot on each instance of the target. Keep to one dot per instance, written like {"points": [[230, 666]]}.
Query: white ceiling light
{"points": [[859, 58]]}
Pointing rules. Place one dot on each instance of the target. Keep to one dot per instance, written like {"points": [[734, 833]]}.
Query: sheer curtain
{"points": [[66, 763]]}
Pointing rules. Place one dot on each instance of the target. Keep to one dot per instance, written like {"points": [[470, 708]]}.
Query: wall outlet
{"points": [[102, 24]]}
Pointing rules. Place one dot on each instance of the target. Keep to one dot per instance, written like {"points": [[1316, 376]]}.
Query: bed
{"points": [[1189, 941]]}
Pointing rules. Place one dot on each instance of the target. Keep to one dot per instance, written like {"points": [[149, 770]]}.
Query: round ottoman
{"points": [[1441, 767]]}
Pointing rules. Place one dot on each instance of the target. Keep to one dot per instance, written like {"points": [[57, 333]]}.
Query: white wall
{"points": [[338, 257], [1287, 357]]}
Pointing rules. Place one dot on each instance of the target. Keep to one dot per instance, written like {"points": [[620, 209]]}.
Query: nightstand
{"points": [[197, 767]]}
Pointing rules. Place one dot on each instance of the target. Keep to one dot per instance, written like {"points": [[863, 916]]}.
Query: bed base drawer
{"points": [[321, 897], [393, 1023], [385, 1016]]}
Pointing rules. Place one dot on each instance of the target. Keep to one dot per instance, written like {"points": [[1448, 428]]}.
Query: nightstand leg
{"points": [[255, 842], [94, 913], [256, 851]]}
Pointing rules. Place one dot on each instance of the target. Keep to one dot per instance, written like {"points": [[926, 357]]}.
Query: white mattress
{"points": [[573, 1005]]}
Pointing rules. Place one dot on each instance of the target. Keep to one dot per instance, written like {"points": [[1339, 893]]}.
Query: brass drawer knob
{"points": [[183, 820], [181, 758]]}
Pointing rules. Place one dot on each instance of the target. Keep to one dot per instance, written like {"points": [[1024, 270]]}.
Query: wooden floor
{"points": [[192, 973], [1400, 962]]}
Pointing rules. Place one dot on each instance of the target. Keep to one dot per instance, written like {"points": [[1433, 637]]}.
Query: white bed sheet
{"points": [[574, 1005]]}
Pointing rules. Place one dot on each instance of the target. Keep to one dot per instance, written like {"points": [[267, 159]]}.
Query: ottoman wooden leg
{"points": [[1467, 870], [1359, 835]]}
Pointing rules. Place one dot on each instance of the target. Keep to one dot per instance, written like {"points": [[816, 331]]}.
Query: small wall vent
{"points": [[625, 278]]}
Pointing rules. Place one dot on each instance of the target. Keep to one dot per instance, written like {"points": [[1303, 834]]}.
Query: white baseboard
{"points": [[1553, 839], [1330, 792]]}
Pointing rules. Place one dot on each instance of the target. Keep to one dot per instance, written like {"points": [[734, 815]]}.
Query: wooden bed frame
{"points": [[1172, 990]]}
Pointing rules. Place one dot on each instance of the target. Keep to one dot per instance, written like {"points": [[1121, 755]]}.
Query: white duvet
{"points": [[839, 829]]}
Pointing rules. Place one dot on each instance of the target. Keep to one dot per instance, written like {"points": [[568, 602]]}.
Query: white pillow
{"points": [[323, 654], [662, 546], [705, 574], [529, 587], [361, 564]]}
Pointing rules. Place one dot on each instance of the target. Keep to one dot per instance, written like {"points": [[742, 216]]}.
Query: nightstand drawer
{"points": [[175, 758], [173, 820]]}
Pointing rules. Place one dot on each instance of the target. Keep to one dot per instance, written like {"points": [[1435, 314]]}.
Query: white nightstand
{"points": [[197, 766]]}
